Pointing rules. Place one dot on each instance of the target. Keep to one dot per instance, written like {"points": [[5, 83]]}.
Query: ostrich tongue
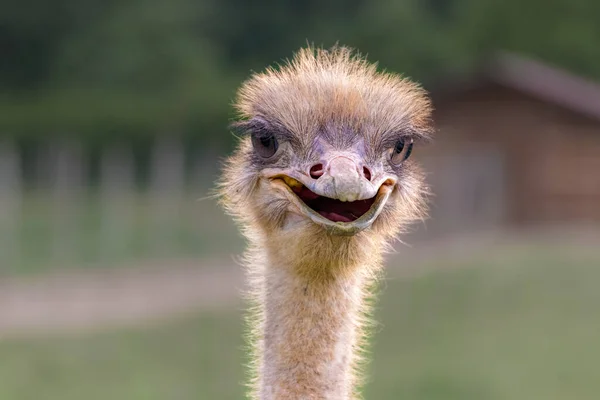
{"points": [[333, 209]]}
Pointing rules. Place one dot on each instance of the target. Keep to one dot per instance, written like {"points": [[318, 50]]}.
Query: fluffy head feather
{"points": [[337, 96], [321, 87]]}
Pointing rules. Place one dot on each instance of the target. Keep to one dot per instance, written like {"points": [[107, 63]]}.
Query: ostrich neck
{"points": [[310, 332]]}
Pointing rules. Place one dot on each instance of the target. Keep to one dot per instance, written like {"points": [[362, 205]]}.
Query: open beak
{"points": [[342, 201]]}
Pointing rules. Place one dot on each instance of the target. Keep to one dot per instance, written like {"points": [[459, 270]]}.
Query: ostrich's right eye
{"points": [[401, 151], [265, 145]]}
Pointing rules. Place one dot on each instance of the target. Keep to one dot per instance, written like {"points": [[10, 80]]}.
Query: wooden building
{"points": [[518, 143]]}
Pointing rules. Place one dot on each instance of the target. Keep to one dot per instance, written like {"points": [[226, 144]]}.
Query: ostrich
{"points": [[320, 183]]}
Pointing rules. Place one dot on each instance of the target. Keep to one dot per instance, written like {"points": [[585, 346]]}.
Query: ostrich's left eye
{"points": [[266, 146], [401, 151]]}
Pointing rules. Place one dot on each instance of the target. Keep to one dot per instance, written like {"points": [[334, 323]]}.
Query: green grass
{"points": [[523, 325], [197, 359]]}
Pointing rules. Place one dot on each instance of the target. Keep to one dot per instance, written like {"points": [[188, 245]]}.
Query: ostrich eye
{"points": [[266, 145], [401, 151]]}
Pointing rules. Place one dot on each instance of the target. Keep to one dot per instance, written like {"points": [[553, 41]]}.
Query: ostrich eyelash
{"points": [[259, 128], [390, 139]]}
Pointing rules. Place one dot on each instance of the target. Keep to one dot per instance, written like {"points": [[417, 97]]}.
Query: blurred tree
{"points": [[142, 66], [31, 32], [562, 32], [142, 45]]}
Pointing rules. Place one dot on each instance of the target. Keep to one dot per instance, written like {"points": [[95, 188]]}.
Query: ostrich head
{"points": [[324, 158]]}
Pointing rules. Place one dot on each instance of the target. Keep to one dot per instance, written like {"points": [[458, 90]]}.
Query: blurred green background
{"points": [[113, 125], [112, 68], [515, 323]]}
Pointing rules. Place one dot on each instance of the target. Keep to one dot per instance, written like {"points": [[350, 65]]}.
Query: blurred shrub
{"points": [[142, 67]]}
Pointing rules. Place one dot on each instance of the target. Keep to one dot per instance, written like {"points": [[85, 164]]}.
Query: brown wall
{"points": [[550, 156]]}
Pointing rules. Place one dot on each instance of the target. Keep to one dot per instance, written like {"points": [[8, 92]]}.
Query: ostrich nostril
{"points": [[367, 173], [316, 171]]}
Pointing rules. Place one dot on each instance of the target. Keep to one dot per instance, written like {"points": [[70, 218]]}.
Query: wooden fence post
{"points": [[167, 188], [117, 196], [67, 181], [10, 206]]}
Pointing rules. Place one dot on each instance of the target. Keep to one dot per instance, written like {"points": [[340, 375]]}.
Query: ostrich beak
{"points": [[344, 181], [342, 200]]}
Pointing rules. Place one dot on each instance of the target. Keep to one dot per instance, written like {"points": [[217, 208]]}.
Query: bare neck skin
{"points": [[309, 330]]}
